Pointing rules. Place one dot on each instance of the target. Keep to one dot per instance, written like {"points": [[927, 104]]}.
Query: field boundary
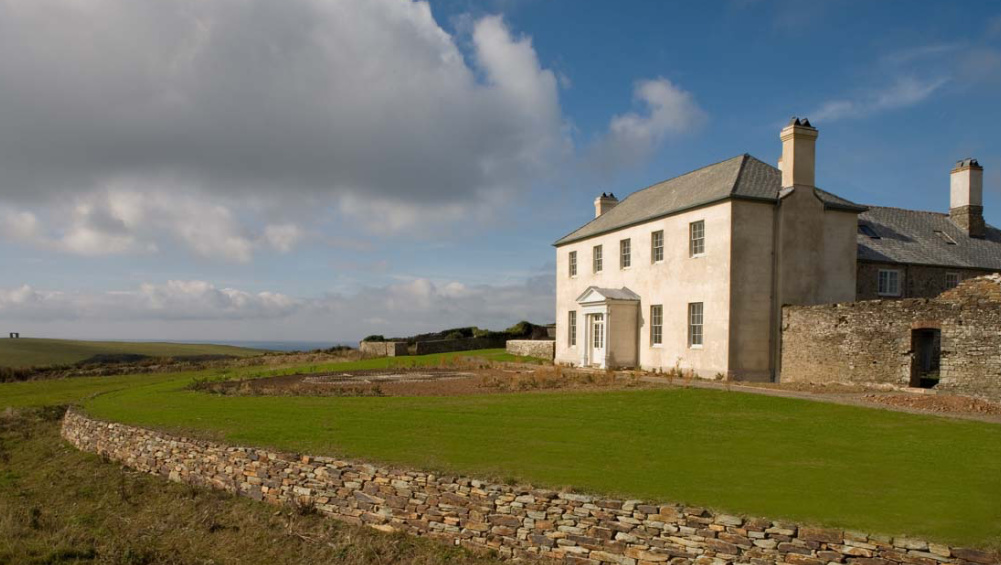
{"points": [[517, 521]]}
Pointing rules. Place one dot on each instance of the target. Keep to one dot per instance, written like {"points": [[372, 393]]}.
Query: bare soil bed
{"points": [[937, 403], [425, 382]]}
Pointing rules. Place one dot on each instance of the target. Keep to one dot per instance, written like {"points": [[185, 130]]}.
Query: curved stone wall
{"points": [[516, 521]]}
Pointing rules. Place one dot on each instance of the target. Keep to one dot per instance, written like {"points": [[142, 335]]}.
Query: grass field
{"points": [[31, 352], [858, 468]]}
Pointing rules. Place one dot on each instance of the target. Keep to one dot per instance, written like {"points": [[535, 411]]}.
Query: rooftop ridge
{"points": [[871, 206], [740, 173], [682, 175]]}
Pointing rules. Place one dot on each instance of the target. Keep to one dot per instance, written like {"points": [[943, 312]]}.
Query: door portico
{"points": [[609, 327]]}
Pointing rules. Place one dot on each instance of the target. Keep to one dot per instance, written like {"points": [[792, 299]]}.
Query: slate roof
{"points": [[741, 177], [908, 236]]}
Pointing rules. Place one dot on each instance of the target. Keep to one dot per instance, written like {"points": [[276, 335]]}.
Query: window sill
{"points": [[884, 295], [625, 268], [694, 347], [661, 262], [697, 256], [657, 346]]}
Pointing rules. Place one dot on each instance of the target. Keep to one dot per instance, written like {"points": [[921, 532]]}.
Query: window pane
{"points": [[597, 258], [573, 263], [697, 233], [657, 246], [625, 253], [888, 283], [695, 323], [952, 280], [656, 324], [572, 328]]}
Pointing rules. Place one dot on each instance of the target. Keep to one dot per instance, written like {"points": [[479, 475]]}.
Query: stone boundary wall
{"points": [[516, 521], [461, 344], [871, 341], [543, 349], [383, 348]]}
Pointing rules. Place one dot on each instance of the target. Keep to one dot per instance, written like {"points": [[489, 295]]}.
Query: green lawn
{"points": [[68, 391], [28, 352], [865, 469]]}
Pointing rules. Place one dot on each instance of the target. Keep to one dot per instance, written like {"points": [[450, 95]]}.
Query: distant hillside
{"points": [[29, 352]]}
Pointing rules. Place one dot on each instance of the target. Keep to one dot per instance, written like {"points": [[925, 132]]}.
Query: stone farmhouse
{"points": [[694, 271]]}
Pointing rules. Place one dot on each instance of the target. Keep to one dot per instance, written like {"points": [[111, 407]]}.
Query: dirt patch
{"points": [[425, 382], [936, 403]]}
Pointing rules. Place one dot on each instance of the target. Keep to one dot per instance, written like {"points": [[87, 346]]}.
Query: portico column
{"points": [[608, 331], [586, 341]]}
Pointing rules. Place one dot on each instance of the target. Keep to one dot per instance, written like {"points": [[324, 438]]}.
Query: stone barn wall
{"points": [[544, 349], [870, 341], [461, 344], [515, 520], [916, 281], [383, 348]]}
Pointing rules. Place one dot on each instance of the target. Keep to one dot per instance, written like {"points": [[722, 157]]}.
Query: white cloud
{"points": [[178, 308], [355, 106], [174, 300], [903, 92], [668, 110], [283, 237], [128, 220]]}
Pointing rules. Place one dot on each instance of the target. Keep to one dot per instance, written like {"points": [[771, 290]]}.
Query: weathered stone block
{"points": [[822, 535]]}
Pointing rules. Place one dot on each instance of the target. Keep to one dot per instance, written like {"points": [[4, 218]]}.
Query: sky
{"points": [[322, 170]]}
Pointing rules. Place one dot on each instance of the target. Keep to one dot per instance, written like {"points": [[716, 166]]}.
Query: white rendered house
{"points": [[692, 272]]}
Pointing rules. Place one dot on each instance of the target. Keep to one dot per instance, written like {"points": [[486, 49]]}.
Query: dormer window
{"points": [[945, 237], [866, 230]]}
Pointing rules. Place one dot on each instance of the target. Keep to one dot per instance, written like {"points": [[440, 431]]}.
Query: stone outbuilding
{"points": [[951, 342]]}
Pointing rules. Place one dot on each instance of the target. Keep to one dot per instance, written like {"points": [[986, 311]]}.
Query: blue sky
{"points": [[324, 170]]}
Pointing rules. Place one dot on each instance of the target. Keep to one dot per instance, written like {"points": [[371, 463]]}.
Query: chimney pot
{"points": [[604, 203]]}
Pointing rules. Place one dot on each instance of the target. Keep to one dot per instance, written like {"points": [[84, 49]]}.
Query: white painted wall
{"points": [[734, 280], [673, 282]]}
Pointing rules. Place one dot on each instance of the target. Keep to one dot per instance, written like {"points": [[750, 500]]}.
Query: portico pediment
{"points": [[598, 295]]}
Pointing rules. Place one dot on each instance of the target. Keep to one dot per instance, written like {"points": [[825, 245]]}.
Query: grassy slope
{"points": [[866, 469], [59, 505], [26, 352]]}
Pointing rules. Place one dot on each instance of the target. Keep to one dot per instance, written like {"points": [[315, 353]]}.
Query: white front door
{"points": [[597, 339]]}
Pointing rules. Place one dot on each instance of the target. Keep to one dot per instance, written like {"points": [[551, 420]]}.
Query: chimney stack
{"points": [[966, 203], [799, 146], [604, 203]]}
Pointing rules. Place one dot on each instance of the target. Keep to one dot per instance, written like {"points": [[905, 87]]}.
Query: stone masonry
{"points": [[871, 341], [516, 521], [460, 344], [916, 281], [383, 348], [543, 349]]}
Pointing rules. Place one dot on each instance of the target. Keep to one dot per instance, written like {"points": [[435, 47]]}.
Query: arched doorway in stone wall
{"points": [[926, 354]]}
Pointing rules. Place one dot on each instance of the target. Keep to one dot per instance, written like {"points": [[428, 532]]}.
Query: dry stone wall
{"points": [[516, 521], [871, 341], [544, 349]]}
